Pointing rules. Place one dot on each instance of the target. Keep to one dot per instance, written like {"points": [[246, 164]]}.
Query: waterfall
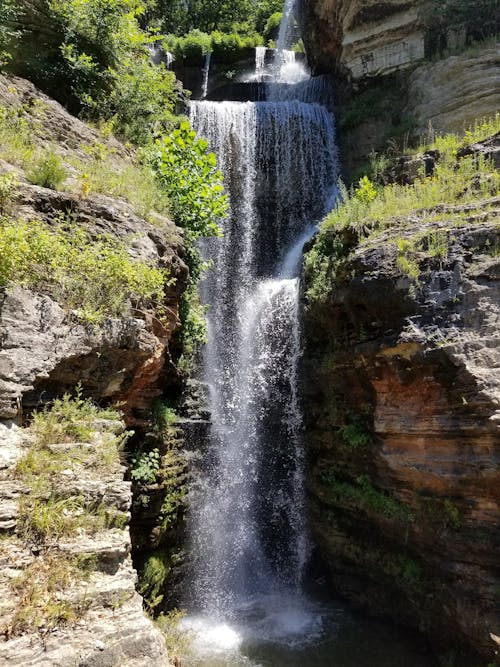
{"points": [[249, 543], [206, 74]]}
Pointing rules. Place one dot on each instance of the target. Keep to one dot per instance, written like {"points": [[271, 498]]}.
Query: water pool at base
{"points": [[295, 632]]}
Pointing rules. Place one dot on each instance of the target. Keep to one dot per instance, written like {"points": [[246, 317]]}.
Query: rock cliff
{"points": [[70, 599], [402, 397], [362, 39], [47, 349], [389, 89]]}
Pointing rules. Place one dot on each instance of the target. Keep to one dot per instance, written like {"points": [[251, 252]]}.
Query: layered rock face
{"points": [[363, 38], [46, 350], [402, 401], [84, 577], [87, 580], [449, 95], [385, 90]]}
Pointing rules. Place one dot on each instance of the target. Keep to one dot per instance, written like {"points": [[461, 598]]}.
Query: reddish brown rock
{"points": [[403, 407]]}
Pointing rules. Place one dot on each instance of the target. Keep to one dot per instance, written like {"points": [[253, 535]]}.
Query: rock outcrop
{"points": [[403, 422], [46, 350], [95, 619], [363, 39], [451, 94], [84, 577]]}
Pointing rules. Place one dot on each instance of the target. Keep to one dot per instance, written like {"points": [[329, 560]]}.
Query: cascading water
{"points": [[249, 542], [249, 537]]}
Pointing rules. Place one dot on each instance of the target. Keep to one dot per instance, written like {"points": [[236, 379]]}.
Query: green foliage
{"points": [[322, 264], [163, 417], [99, 65], [99, 169], [69, 419], [405, 260], [463, 180], [153, 576], [365, 496], [453, 514], [48, 172], [226, 48], [355, 434], [39, 592], [189, 174], [177, 639], [145, 467], [8, 36], [8, 185], [478, 19], [272, 26], [92, 275], [365, 192], [243, 16], [194, 328]]}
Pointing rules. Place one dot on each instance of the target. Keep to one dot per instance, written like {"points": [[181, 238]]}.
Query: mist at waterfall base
{"points": [[249, 545]]}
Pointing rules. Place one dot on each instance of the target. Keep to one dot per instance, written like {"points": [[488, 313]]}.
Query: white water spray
{"points": [[249, 540]]}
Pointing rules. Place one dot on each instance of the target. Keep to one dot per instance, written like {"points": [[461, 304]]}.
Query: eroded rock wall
{"points": [[47, 350], [402, 392], [101, 616], [363, 39]]}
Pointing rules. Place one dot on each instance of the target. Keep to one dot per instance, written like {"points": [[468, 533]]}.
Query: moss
{"points": [[363, 495]]}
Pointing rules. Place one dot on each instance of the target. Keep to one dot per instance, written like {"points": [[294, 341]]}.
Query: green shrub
{"points": [[92, 275], [226, 48], [272, 26], [145, 467], [188, 172], [8, 36], [48, 172], [98, 64], [355, 434], [153, 576], [8, 185], [69, 419]]}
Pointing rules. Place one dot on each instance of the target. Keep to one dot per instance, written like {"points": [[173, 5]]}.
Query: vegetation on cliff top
{"points": [[370, 208], [93, 276]]}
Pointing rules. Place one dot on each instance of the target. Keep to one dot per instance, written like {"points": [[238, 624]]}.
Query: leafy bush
{"points": [[272, 26], [98, 64], [145, 467], [226, 47], [190, 176], [242, 16], [48, 172], [93, 275], [8, 36]]}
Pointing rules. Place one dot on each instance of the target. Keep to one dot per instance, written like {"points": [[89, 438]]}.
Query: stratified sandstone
{"points": [[363, 38], [110, 627], [402, 393]]}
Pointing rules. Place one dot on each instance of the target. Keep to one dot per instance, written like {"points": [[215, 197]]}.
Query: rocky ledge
{"points": [[402, 400], [67, 585]]}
